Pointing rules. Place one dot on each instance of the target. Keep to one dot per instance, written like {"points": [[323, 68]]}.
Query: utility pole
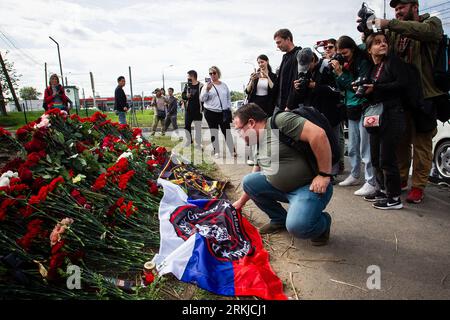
{"points": [[46, 75], [59, 57], [384, 8], [93, 88], [11, 88], [66, 82], [85, 104]]}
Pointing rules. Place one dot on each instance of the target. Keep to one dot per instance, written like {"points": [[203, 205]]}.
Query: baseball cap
{"points": [[394, 3]]}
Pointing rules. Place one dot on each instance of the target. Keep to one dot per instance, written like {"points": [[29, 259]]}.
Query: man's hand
{"points": [[337, 68], [312, 85], [238, 205], [381, 23], [297, 84], [319, 184]]}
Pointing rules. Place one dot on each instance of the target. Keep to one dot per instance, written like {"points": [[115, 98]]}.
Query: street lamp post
{"points": [[171, 65], [59, 57]]}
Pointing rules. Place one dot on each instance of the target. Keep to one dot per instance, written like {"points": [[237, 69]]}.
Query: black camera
{"points": [[360, 82], [339, 58], [304, 78], [365, 13]]}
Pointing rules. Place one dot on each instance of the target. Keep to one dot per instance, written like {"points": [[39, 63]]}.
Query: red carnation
{"points": [[78, 197], [25, 174], [124, 178], [80, 147], [4, 132], [151, 164], [33, 230], [137, 132], [153, 187], [52, 186], [100, 183], [4, 207]]}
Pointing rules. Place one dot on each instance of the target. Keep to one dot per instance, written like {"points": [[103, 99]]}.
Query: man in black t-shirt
{"points": [[120, 101], [193, 107], [287, 71]]}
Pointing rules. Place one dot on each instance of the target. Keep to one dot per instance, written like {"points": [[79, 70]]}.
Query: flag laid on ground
{"points": [[209, 243]]}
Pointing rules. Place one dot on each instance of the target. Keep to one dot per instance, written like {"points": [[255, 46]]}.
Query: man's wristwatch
{"points": [[323, 174]]}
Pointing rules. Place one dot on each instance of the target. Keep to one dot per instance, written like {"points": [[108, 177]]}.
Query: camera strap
{"points": [[379, 70], [218, 96]]}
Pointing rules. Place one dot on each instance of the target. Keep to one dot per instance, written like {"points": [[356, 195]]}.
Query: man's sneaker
{"points": [[366, 190], [271, 228], [388, 204], [323, 238], [376, 197], [404, 185], [250, 162], [349, 181], [415, 195]]}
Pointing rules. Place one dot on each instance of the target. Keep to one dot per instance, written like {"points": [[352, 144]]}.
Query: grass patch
{"points": [[15, 120]]}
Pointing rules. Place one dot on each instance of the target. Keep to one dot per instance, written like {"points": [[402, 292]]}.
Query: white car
{"points": [[441, 150]]}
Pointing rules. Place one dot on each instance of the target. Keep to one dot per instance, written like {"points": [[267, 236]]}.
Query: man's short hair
{"points": [[192, 73], [120, 78], [171, 89], [284, 34], [250, 111]]}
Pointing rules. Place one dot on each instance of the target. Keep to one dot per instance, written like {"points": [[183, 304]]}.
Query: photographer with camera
{"points": [[55, 96], [316, 86], [357, 66], [415, 39], [260, 86], [384, 119], [193, 107]]}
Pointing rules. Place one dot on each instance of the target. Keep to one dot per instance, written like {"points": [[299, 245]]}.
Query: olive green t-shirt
{"points": [[285, 168]]}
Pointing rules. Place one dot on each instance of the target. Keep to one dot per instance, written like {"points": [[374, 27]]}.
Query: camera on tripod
{"points": [[360, 82]]}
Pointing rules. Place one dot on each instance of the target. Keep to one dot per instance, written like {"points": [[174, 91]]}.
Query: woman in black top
{"points": [[260, 87], [389, 83]]}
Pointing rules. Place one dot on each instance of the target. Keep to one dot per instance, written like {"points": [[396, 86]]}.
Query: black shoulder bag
{"points": [[226, 114]]}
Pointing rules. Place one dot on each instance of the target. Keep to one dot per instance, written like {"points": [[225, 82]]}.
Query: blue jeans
{"points": [[305, 217], [359, 149], [122, 117]]}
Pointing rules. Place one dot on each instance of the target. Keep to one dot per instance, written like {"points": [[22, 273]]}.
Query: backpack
{"points": [[313, 115], [441, 75], [441, 71]]}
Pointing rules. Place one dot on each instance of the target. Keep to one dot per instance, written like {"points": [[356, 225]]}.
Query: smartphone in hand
{"points": [[207, 80]]}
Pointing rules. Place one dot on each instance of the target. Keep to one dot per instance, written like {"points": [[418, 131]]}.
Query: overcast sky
{"points": [[106, 37]]}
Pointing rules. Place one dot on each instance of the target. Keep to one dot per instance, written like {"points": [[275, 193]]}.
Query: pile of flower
{"points": [[78, 191]]}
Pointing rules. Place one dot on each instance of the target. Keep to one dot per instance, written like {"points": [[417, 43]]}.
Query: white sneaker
{"points": [[350, 181], [250, 162], [367, 189]]}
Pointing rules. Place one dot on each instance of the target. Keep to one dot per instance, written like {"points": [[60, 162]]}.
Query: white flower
{"points": [[44, 123], [139, 139], [125, 155], [10, 174], [71, 145], [4, 182], [73, 157]]}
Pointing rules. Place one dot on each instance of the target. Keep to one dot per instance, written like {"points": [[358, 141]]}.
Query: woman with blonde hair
{"points": [[216, 98]]}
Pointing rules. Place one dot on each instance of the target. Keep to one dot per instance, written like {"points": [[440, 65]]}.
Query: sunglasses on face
{"points": [[211, 73], [329, 47]]}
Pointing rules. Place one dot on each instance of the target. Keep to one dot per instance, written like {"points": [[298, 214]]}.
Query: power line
{"points": [[441, 11], [20, 55], [437, 5], [20, 50]]}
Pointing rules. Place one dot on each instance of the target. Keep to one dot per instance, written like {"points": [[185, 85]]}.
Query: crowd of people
{"points": [[382, 90]]}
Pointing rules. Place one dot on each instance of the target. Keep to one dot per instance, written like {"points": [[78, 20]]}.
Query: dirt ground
{"points": [[410, 246]]}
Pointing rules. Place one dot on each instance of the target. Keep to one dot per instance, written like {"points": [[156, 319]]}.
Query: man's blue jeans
{"points": [[305, 217], [122, 117]]}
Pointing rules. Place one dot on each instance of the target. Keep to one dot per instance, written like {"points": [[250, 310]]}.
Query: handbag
{"points": [[226, 114], [372, 115]]}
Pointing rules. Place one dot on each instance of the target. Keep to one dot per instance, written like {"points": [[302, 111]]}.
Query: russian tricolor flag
{"points": [[210, 244]]}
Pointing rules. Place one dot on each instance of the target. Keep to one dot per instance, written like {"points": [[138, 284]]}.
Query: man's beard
{"points": [[409, 16]]}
